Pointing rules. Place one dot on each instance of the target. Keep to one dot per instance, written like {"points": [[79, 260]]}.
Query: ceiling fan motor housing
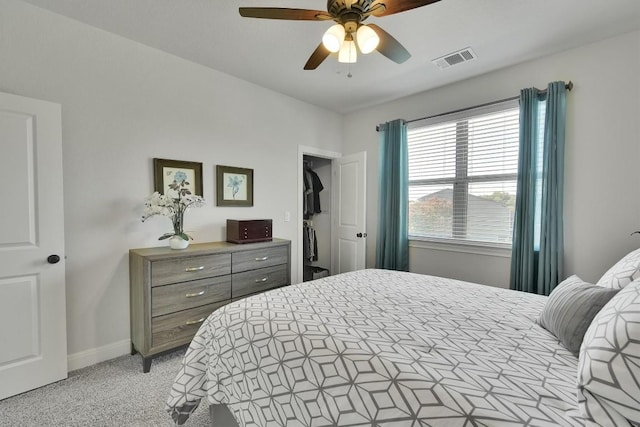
{"points": [[356, 12]]}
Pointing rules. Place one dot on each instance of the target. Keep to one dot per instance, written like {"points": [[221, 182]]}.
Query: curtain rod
{"points": [[568, 86]]}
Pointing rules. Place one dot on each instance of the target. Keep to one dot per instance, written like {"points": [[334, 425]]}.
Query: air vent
{"points": [[455, 58]]}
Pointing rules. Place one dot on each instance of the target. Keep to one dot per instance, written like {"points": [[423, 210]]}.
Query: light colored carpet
{"points": [[111, 393]]}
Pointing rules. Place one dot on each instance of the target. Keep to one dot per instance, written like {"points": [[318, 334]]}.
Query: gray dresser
{"points": [[173, 291]]}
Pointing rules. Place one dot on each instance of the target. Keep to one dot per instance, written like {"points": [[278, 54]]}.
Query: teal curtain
{"points": [[538, 234], [523, 257], [550, 264], [392, 243]]}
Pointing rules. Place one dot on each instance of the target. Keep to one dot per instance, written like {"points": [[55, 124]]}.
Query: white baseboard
{"points": [[96, 355]]}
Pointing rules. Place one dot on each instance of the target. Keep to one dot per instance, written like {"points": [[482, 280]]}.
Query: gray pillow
{"points": [[570, 309]]}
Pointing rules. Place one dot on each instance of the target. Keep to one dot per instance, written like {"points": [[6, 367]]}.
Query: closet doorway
{"points": [[332, 236], [314, 243]]}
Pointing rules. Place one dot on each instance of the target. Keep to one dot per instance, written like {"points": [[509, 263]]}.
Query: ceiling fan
{"points": [[342, 37]]}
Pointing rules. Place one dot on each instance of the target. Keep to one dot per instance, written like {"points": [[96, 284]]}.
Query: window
{"points": [[463, 170]]}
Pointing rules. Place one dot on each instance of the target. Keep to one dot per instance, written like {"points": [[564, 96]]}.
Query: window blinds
{"points": [[462, 174]]}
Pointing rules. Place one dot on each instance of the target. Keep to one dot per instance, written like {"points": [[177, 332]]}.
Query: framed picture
{"points": [[173, 177], [234, 186]]}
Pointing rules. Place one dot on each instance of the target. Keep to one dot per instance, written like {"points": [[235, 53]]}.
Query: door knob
{"points": [[53, 259], [359, 235]]}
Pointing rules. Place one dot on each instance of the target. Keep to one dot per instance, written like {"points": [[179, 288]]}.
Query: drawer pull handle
{"points": [[264, 279], [264, 258], [194, 322], [197, 294], [190, 269]]}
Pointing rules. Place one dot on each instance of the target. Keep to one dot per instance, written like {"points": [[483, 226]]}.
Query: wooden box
{"points": [[249, 230]]}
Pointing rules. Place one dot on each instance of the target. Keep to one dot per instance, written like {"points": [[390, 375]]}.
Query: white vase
{"points": [[177, 242]]}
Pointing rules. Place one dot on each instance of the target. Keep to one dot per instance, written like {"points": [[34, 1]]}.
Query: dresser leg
{"points": [[133, 349], [146, 364]]}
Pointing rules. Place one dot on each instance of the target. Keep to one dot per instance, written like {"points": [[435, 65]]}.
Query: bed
{"points": [[377, 347]]}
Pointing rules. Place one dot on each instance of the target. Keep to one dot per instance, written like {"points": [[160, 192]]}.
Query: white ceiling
{"points": [[271, 53]]}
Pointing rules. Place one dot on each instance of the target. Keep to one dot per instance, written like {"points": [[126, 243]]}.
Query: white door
{"points": [[348, 249], [33, 338]]}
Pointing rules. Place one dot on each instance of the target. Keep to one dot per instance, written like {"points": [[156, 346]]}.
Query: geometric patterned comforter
{"points": [[379, 347]]}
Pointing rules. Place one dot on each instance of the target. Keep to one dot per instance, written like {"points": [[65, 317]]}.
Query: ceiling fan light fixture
{"points": [[348, 53], [333, 38], [367, 39], [345, 37]]}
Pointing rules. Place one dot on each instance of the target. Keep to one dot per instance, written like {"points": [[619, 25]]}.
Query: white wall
{"points": [[122, 105], [602, 202]]}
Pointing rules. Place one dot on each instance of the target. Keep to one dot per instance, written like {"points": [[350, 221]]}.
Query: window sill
{"points": [[496, 250]]}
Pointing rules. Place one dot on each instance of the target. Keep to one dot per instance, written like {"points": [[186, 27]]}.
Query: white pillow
{"points": [[623, 272], [609, 362]]}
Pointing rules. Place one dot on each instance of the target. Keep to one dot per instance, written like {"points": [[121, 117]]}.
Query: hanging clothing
{"points": [[317, 188], [311, 195], [309, 244], [308, 194]]}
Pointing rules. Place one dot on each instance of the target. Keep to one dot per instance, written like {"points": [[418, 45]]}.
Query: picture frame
{"points": [[234, 186], [170, 176]]}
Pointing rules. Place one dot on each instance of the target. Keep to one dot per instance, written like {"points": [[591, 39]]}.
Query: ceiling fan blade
{"points": [[284, 13], [316, 58], [389, 7], [390, 47]]}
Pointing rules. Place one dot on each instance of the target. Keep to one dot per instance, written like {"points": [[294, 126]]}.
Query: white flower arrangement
{"points": [[173, 208]]}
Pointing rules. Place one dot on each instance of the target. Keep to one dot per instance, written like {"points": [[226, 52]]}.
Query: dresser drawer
{"points": [[181, 296], [178, 328], [173, 292], [259, 258], [182, 269], [259, 280]]}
